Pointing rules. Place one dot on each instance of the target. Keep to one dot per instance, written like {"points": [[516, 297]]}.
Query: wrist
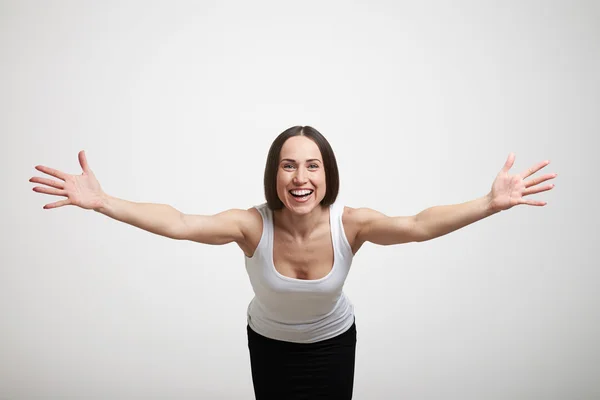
{"points": [[103, 204], [489, 204]]}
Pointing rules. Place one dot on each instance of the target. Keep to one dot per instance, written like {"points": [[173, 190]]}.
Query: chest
{"points": [[309, 260]]}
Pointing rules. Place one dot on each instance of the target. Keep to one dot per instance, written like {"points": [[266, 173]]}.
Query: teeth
{"points": [[300, 192]]}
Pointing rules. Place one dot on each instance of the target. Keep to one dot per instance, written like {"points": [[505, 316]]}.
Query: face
{"points": [[300, 175]]}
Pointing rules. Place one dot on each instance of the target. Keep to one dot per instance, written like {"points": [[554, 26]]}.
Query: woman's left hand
{"points": [[510, 190]]}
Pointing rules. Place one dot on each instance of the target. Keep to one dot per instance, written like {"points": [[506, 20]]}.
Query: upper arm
{"points": [[229, 226], [375, 227]]}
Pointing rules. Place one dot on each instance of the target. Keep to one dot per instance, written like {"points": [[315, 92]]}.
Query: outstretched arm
{"points": [[165, 220], [507, 191], [85, 191]]}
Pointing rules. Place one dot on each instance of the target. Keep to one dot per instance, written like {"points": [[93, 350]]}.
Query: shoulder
{"points": [[354, 221], [361, 215], [251, 226], [368, 225], [244, 219], [250, 220]]}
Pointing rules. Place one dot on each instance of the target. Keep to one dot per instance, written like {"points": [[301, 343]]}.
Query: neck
{"points": [[300, 226]]}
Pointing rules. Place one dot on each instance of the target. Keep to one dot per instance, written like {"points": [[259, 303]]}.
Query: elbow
{"points": [[420, 233], [178, 230], [421, 239]]}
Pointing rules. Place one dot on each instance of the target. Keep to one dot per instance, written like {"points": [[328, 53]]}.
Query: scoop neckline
{"points": [[296, 280]]}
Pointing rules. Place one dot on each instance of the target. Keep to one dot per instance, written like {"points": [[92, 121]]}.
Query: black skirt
{"points": [[289, 371]]}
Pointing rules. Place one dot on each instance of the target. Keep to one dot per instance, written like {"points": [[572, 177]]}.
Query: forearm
{"points": [[160, 219], [441, 220]]}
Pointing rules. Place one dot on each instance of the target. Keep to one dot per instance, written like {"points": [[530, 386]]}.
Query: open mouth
{"points": [[301, 194]]}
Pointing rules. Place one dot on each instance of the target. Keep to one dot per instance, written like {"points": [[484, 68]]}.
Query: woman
{"points": [[298, 248]]}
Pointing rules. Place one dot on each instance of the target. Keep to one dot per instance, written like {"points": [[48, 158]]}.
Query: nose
{"points": [[300, 176]]}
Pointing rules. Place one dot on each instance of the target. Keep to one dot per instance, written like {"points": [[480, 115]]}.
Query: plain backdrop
{"points": [[178, 102]]}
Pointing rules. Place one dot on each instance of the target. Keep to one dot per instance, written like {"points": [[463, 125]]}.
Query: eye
{"points": [[313, 166], [288, 166]]}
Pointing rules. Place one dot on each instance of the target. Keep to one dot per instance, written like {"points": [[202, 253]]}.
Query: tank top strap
{"points": [[267, 229], [337, 230]]}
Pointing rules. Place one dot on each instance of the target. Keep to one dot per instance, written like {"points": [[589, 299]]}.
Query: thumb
{"points": [[509, 162], [83, 161]]}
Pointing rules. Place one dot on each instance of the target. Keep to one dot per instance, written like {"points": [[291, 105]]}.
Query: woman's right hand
{"points": [[80, 190]]}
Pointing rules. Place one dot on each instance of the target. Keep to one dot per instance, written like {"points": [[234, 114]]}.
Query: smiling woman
{"points": [[298, 249], [302, 152]]}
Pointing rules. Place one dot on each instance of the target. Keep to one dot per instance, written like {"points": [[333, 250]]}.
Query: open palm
{"points": [[510, 190], [80, 190]]}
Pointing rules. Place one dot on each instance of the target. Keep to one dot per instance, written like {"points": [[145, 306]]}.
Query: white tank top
{"points": [[299, 310]]}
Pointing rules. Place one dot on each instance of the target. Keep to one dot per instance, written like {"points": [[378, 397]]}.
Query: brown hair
{"points": [[332, 178]]}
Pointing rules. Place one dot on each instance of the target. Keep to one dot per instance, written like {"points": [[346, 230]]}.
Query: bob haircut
{"points": [[332, 178]]}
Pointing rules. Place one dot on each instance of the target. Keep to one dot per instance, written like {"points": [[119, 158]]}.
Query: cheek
{"points": [[321, 179], [281, 183], [321, 182]]}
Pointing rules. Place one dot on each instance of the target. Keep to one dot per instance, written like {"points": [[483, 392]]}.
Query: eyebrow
{"points": [[294, 161]]}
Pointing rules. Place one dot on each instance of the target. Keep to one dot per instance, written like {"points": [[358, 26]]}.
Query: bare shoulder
{"points": [[354, 221], [251, 221], [247, 220], [243, 227], [360, 215], [367, 225], [251, 225]]}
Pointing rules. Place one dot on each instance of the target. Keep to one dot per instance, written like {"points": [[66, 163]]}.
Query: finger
{"points": [[51, 171], [46, 190], [48, 182], [539, 180], [540, 189], [534, 169], [530, 202], [83, 161], [57, 204], [509, 162]]}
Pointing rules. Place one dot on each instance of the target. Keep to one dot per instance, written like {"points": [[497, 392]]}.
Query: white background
{"points": [[178, 103]]}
